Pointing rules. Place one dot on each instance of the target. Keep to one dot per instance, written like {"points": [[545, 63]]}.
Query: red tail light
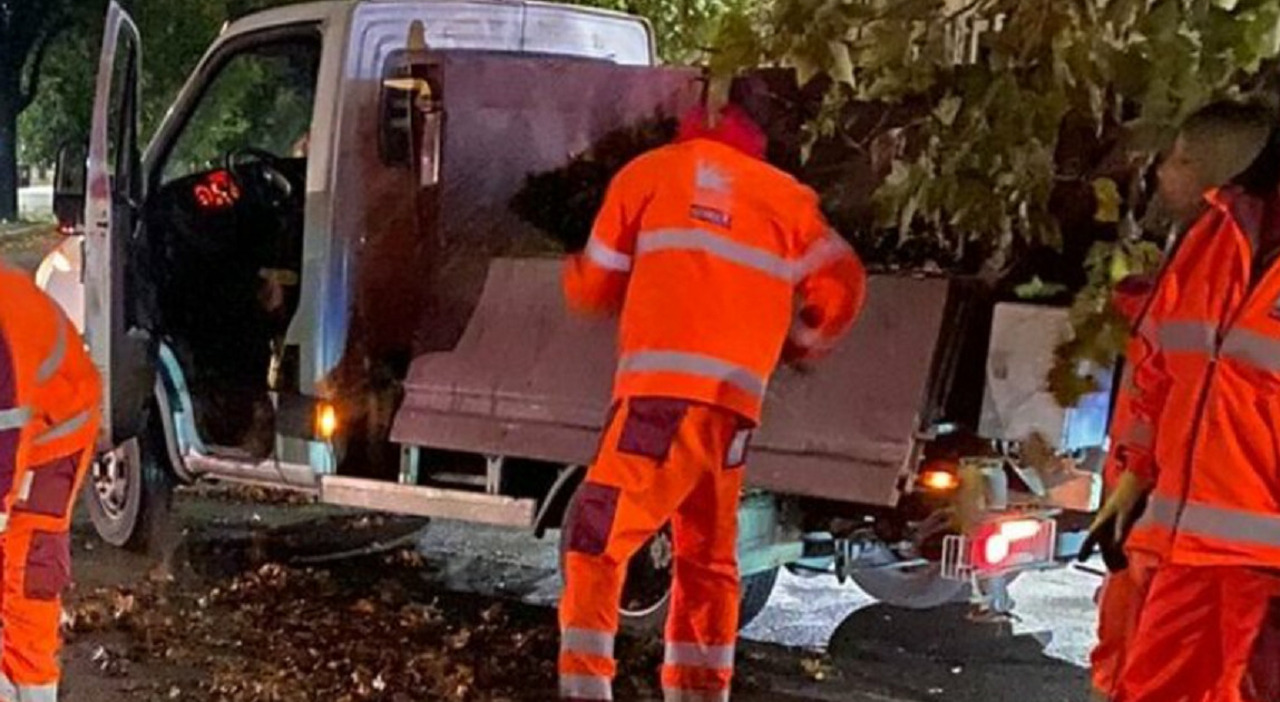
{"points": [[1010, 543]]}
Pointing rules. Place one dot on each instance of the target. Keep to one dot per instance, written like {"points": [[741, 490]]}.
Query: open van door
{"points": [[112, 211]]}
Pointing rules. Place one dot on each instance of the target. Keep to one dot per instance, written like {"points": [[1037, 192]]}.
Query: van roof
{"points": [[331, 9]]}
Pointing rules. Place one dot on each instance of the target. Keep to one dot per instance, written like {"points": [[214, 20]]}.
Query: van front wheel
{"points": [[129, 491]]}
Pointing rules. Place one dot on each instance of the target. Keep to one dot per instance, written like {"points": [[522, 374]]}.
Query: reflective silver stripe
{"points": [[1140, 434], [28, 482], [699, 656], [1254, 349], [9, 692], [38, 693], [49, 367], [709, 177], [586, 687], [65, 429], [718, 246], [824, 252], [14, 418], [1161, 511], [694, 364], [606, 257], [1185, 337], [1238, 526], [587, 642], [671, 694]]}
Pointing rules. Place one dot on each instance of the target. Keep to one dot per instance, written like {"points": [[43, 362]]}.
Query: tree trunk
{"points": [[9, 99]]}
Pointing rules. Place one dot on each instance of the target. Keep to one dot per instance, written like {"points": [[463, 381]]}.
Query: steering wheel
{"points": [[266, 180]]}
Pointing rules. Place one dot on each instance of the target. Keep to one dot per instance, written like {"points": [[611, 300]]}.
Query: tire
{"points": [[129, 491], [646, 596], [757, 588]]}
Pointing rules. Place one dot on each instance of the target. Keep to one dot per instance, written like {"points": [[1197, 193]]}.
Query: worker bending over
{"points": [[704, 250]]}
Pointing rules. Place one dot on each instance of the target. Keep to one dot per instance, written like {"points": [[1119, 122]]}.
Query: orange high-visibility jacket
{"points": [[49, 388], [1132, 303], [706, 252], [1206, 397]]}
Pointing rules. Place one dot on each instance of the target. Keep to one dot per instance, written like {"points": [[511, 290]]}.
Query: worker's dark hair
{"points": [[1235, 141]]}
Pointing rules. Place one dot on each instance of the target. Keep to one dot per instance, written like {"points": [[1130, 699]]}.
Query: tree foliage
{"points": [[990, 88], [175, 34], [999, 77], [27, 28], [685, 29]]}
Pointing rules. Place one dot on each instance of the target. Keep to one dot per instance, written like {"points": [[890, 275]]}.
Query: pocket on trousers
{"points": [[591, 517], [651, 426], [51, 486], [48, 570]]}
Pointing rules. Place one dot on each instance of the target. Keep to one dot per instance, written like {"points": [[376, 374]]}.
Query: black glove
{"points": [[1106, 537]]}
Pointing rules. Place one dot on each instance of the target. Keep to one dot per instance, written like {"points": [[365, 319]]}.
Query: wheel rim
{"points": [[649, 574], [111, 484]]}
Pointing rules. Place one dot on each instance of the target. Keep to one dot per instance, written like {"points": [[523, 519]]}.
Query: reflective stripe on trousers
{"points": [[586, 687], [676, 695], [586, 642], [10, 692], [1223, 523], [684, 659], [689, 655], [696, 365]]}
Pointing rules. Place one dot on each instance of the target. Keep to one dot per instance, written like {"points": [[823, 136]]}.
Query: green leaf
{"points": [[841, 63], [948, 109]]}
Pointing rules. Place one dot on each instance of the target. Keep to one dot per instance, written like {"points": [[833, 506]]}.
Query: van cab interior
{"points": [[223, 232]]}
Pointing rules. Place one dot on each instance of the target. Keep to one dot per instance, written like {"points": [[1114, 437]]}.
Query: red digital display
{"points": [[217, 191]]}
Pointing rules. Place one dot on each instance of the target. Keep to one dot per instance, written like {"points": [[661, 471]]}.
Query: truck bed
{"points": [[529, 380]]}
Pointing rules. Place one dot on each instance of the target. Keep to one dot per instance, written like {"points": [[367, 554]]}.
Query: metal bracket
{"points": [[410, 465], [493, 466]]}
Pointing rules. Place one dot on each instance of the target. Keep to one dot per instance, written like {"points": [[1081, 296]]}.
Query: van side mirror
{"points": [[69, 187]]}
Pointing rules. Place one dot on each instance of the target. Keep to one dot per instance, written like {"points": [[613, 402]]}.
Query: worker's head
{"points": [[730, 125], [1217, 145]]}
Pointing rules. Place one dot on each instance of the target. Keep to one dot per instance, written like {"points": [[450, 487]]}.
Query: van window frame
{"points": [[173, 127]]}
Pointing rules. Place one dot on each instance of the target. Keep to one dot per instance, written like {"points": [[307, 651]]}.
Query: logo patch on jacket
{"points": [[1275, 309], [710, 215]]}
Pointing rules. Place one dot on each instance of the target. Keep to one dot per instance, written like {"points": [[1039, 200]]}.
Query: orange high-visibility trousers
{"points": [[1198, 634], [661, 460], [36, 554], [1119, 609]]}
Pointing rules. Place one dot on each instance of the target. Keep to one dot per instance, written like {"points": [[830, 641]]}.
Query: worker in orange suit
{"points": [[49, 417], [719, 266], [1214, 146], [1199, 447]]}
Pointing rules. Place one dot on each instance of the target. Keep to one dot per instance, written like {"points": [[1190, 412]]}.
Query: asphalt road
{"points": [[816, 641]]}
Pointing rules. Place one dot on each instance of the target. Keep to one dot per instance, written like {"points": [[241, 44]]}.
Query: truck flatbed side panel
{"points": [[528, 379]]}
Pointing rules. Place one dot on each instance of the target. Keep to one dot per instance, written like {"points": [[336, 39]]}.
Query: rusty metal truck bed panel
{"points": [[527, 379]]}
